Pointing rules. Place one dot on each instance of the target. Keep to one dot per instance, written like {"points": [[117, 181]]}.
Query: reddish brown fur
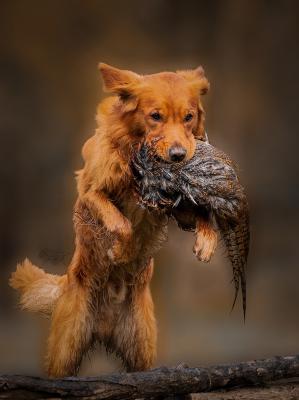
{"points": [[105, 294]]}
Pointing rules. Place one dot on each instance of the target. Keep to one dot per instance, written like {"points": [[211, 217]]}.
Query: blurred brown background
{"points": [[49, 89]]}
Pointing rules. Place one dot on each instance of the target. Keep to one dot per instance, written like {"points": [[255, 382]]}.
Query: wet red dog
{"points": [[105, 294]]}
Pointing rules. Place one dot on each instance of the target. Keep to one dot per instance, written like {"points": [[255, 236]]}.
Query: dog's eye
{"points": [[188, 117], [156, 116]]}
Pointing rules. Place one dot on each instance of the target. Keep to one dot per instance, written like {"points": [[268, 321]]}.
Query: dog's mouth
{"points": [[146, 150], [149, 150], [151, 174]]}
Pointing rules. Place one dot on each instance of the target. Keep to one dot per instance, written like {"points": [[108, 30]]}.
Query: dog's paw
{"points": [[120, 227], [120, 252], [205, 244], [111, 255]]}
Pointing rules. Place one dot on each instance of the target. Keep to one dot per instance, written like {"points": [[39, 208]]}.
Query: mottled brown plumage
{"points": [[207, 185]]}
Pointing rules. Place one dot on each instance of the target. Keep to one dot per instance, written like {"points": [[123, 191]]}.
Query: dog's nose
{"points": [[177, 153]]}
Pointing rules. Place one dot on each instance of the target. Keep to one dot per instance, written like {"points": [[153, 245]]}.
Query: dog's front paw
{"points": [[122, 233], [120, 252], [205, 244], [120, 227]]}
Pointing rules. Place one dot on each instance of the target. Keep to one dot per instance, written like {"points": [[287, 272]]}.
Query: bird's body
{"points": [[205, 185]]}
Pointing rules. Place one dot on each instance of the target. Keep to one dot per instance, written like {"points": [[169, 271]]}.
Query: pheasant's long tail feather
{"points": [[236, 237], [39, 290], [243, 288]]}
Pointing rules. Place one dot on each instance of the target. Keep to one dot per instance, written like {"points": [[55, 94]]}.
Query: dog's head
{"points": [[163, 108]]}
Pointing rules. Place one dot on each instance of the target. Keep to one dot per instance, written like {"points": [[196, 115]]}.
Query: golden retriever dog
{"points": [[105, 294]]}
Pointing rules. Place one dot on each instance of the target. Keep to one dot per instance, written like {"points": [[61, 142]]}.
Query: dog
{"points": [[105, 294]]}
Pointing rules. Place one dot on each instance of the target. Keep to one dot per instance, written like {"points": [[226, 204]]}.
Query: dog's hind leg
{"points": [[135, 334], [71, 332]]}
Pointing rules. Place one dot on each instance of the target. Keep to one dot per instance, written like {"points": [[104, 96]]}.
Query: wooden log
{"points": [[157, 383], [286, 390]]}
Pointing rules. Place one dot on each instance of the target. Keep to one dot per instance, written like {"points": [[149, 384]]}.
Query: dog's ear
{"points": [[117, 80], [121, 82], [200, 131], [197, 79]]}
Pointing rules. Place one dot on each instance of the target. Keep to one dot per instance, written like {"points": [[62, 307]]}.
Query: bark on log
{"points": [[286, 390], [157, 383]]}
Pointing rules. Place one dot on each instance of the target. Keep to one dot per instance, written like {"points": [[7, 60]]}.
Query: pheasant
{"points": [[206, 185]]}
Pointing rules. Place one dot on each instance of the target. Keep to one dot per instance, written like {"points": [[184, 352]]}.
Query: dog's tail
{"points": [[39, 290]]}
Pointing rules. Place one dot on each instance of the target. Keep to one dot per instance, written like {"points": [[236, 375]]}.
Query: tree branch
{"points": [[157, 383]]}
